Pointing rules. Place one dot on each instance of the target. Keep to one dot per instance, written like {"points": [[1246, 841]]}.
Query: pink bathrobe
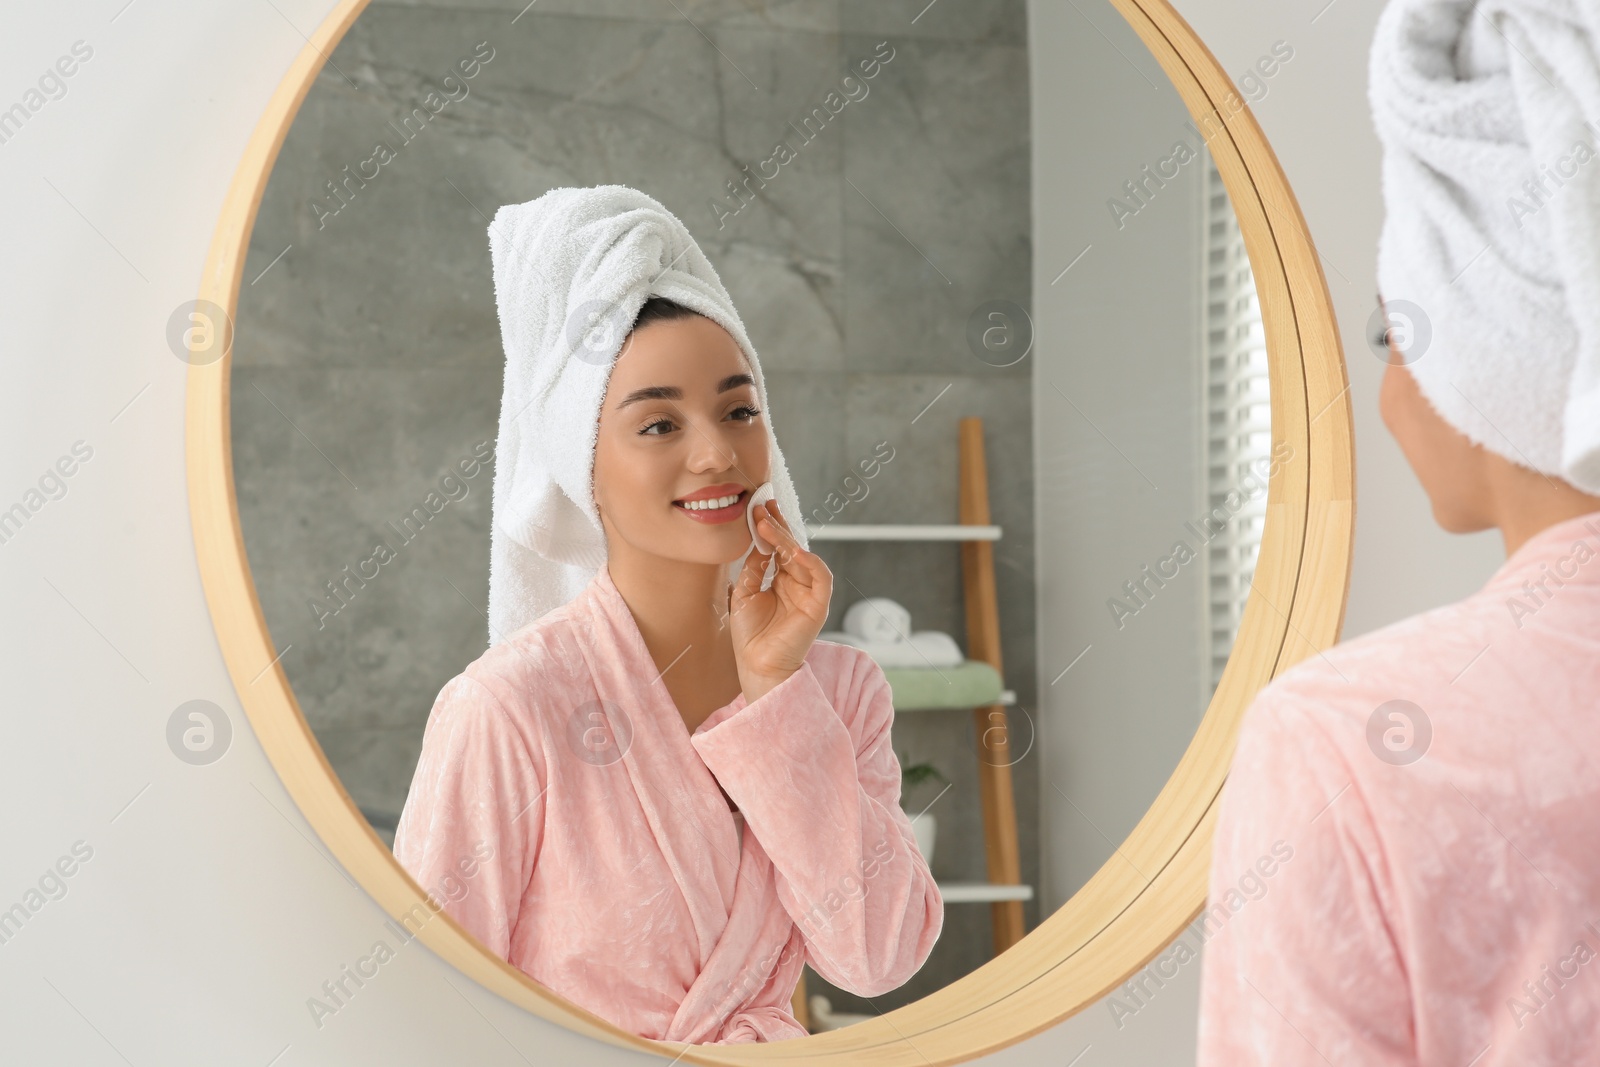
{"points": [[1390, 887], [616, 875]]}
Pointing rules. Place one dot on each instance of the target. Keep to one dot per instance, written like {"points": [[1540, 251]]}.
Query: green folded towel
{"points": [[970, 685]]}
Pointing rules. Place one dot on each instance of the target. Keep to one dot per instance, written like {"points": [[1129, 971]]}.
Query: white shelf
{"points": [[982, 892], [908, 532]]}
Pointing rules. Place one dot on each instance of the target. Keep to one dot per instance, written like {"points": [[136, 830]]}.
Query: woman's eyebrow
{"points": [[672, 392]]}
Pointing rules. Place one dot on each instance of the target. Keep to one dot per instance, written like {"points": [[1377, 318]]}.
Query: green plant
{"points": [[917, 773]]}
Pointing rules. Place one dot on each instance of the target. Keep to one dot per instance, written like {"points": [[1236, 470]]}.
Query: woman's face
{"points": [[1449, 466], [680, 417]]}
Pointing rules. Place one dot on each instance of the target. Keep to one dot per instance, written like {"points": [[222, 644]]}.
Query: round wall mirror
{"points": [[1047, 349]]}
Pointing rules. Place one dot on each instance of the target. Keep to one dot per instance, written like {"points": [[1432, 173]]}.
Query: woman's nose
{"points": [[711, 447]]}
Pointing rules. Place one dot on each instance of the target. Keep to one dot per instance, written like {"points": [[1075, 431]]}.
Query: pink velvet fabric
{"points": [[1444, 911], [616, 876]]}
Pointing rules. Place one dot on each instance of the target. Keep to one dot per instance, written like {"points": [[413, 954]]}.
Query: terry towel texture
{"points": [[571, 271], [1487, 114]]}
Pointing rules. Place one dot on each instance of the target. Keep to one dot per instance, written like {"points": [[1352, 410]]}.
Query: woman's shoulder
{"points": [[1424, 650], [543, 656], [1413, 672]]}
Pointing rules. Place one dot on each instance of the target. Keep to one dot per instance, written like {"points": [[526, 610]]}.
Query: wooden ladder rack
{"points": [[1004, 891]]}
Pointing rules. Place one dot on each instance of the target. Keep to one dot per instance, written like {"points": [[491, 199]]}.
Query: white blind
{"points": [[1238, 420]]}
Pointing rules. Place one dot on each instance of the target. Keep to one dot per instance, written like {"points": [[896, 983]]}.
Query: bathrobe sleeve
{"points": [[1303, 963], [820, 790], [471, 825]]}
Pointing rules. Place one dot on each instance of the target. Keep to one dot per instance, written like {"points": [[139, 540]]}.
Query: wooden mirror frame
{"points": [[1118, 921]]}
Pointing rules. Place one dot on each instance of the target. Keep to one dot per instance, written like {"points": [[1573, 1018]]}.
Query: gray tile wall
{"points": [[368, 360]]}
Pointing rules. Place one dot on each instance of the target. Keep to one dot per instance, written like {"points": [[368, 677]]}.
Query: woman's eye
{"points": [[743, 411]]}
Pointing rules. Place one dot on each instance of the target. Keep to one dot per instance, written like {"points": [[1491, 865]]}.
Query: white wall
{"points": [[207, 913], [1118, 432]]}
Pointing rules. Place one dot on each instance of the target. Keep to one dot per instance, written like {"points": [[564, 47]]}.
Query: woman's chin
{"points": [[1457, 517], [710, 549]]}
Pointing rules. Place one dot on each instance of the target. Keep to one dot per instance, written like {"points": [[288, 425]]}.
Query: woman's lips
{"points": [[714, 516]]}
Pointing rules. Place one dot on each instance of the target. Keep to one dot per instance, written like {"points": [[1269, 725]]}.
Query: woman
{"points": [[1406, 865], [683, 794]]}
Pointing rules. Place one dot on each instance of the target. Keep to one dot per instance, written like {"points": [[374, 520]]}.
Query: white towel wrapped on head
{"points": [[572, 268], [1491, 183]]}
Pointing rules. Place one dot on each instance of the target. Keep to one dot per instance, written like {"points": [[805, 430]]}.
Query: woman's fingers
{"points": [[810, 581], [778, 534], [797, 601], [755, 566], [792, 559], [808, 576]]}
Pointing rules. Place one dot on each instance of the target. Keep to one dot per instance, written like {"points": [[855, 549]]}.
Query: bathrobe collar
{"points": [[608, 599], [1556, 547]]}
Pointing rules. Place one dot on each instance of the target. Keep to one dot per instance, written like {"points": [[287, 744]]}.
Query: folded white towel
{"points": [[927, 648], [878, 619], [1487, 112], [572, 268]]}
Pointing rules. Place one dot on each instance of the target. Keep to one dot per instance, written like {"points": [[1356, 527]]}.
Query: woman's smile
{"points": [[714, 504]]}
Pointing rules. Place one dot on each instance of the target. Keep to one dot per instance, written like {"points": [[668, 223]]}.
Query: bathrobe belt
{"points": [[759, 946]]}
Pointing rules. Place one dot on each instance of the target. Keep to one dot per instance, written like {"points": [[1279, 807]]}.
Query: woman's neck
{"points": [[1527, 502], [678, 606]]}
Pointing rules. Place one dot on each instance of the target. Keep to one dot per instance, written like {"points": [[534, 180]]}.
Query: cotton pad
{"points": [[762, 494]]}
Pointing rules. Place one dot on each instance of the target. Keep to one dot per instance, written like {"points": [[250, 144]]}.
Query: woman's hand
{"points": [[773, 631]]}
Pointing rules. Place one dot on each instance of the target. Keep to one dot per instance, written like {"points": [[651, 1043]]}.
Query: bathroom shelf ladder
{"points": [[1003, 891]]}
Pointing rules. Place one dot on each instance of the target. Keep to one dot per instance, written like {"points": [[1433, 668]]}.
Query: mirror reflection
{"points": [[1001, 365]]}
